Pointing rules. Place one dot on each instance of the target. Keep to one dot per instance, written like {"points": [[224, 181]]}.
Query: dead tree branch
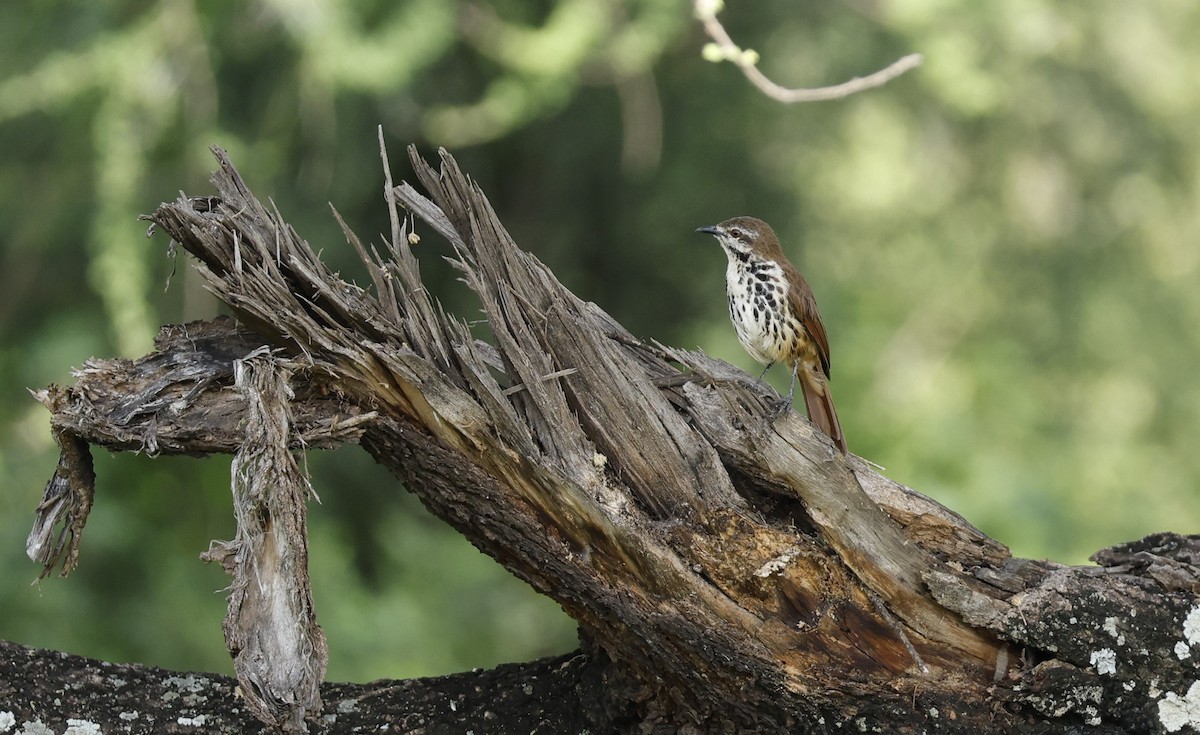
{"points": [[271, 629], [739, 574]]}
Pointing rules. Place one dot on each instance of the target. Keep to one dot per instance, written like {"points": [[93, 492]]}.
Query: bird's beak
{"points": [[710, 230]]}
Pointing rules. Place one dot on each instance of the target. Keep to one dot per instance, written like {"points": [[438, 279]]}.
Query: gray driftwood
{"points": [[729, 573]]}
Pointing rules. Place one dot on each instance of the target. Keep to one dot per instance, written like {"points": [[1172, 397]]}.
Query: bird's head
{"points": [[742, 237]]}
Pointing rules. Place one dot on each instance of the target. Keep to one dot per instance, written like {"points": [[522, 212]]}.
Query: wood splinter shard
{"points": [[66, 503], [279, 650]]}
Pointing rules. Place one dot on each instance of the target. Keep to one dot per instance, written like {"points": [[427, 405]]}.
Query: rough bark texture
{"points": [[45, 692], [731, 573]]}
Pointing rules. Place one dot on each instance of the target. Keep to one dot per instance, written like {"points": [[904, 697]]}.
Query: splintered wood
{"points": [[732, 573], [279, 651]]}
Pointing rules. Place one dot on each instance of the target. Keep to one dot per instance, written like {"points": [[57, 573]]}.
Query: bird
{"points": [[775, 315]]}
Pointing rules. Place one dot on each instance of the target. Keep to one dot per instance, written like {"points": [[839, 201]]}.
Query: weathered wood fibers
{"points": [[279, 651]]}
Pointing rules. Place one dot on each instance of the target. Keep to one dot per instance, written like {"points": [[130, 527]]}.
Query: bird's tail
{"points": [[819, 403]]}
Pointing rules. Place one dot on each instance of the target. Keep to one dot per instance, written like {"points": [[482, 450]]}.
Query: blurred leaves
{"points": [[543, 65], [139, 74], [1004, 244]]}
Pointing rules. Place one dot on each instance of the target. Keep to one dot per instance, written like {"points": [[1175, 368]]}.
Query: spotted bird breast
{"points": [[759, 310]]}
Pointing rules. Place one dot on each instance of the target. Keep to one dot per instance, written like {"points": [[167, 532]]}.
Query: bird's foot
{"points": [[780, 409]]}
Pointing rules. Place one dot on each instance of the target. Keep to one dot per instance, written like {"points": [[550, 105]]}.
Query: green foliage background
{"points": [[1003, 244]]}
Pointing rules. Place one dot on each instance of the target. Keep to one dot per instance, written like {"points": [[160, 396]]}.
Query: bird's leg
{"points": [[785, 404], [782, 408], [792, 385], [763, 374]]}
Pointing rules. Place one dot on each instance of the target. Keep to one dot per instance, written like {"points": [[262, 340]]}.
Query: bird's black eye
{"points": [[736, 234]]}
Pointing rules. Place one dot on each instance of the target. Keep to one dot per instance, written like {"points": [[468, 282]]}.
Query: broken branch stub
{"points": [[279, 651], [66, 502]]}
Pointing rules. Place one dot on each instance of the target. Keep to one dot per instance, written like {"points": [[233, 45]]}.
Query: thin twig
{"points": [[724, 49]]}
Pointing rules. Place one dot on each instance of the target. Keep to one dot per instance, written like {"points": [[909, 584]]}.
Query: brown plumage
{"points": [[775, 315]]}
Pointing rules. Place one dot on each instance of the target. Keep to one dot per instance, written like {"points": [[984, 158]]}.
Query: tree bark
{"points": [[730, 572]]}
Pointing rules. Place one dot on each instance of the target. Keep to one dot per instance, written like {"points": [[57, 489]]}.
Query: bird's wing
{"points": [[804, 305]]}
